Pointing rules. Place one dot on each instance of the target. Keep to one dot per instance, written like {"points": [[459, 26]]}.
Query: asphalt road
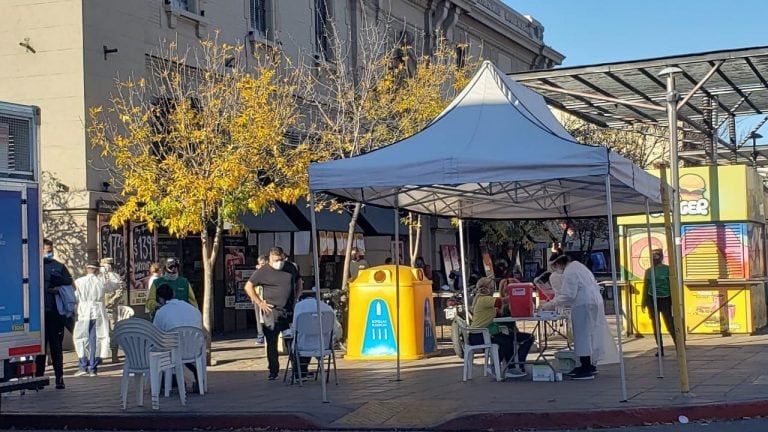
{"points": [[753, 425]]}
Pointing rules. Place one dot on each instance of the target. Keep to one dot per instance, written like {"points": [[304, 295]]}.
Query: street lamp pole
{"points": [[674, 165], [679, 312]]}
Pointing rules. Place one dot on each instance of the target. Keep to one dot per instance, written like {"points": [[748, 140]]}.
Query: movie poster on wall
{"points": [[234, 257], [241, 299], [143, 254]]}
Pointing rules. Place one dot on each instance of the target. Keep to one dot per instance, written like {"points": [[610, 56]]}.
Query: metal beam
{"points": [[715, 68], [597, 89], [582, 95], [738, 90], [756, 72]]}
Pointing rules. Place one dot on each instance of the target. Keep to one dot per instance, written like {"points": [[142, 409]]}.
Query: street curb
{"points": [[152, 421], [609, 418], [472, 422]]}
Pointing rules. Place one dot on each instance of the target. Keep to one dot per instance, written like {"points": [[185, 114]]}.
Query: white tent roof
{"points": [[496, 152]]}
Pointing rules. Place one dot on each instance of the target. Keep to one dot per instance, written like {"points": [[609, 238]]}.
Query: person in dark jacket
{"points": [[55, 275]]}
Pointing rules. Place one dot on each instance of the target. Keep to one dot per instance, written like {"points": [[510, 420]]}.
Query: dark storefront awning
{"points": [[270, 221], [327, 220], [379, 221]]}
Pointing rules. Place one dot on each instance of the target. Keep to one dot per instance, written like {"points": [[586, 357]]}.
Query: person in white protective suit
{"points": [[592, 339], [91, 332]]}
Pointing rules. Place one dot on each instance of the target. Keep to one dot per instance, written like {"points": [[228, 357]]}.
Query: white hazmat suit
{"points": [[90, 291], [591, 335]]}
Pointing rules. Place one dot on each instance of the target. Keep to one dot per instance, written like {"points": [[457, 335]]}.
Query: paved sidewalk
{"points": [[431, 394]]}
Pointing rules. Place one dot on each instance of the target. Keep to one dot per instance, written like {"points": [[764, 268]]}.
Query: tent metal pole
{"points": [[397, 279], [463, 269], [316, 262], [656, 316], [616, 299]]}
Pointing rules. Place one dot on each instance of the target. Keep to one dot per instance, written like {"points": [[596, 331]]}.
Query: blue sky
{"points": [[592, 31]]}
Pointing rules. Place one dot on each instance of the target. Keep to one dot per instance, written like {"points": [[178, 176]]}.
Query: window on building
{"points": [[259, 17], [461, 56], [323, 29], [183, 4]]}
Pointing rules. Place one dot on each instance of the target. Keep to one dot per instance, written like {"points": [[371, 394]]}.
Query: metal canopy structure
{"points": [[715, 87]]}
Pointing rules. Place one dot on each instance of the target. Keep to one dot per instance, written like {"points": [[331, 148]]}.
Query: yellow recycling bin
{"points": [[373, 315]]}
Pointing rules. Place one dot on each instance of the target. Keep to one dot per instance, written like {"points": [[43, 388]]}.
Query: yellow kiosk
{"points": [[723, 240], [373, 315]]}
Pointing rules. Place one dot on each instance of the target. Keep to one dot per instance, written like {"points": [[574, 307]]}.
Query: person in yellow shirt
{"points": [[182, 290]]}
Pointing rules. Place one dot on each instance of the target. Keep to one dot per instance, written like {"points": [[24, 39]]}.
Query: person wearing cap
{"points": [[663, 296], [91, 332], [182, 290], [592, 338], [486, 307]]}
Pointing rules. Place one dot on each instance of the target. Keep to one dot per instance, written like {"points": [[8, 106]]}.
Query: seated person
{"points": [[172, 313], [484, 309], [308, 304]]}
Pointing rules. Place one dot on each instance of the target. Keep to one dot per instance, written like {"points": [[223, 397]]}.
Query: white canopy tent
{"points": [[496, 152]]}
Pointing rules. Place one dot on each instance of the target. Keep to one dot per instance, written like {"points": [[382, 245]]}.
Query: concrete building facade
{"points": [[65, 55]]}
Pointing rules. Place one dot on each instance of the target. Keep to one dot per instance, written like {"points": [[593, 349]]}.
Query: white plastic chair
{"points": [[193, 346], [306, 342], [148, 352], [489, 350]]}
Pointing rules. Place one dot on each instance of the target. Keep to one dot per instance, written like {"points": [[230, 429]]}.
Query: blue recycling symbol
{"points": [[379, 337]]}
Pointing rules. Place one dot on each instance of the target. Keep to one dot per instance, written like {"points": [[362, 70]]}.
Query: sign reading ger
{"points": [[692, 199]]}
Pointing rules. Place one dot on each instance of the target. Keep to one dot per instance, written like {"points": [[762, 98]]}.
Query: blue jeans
{"points": [[89, 364]]}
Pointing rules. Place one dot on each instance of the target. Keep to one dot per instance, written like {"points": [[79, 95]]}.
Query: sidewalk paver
{"points": [[430, 393]]}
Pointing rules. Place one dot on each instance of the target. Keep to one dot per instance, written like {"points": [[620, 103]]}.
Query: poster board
{"points": [[360, 242], [143, 254], [234, 257], [112, 245], [326, 241], [301, 242], [450, 259], [283, 240], [341, 243], [241, 300], [488, 264]]}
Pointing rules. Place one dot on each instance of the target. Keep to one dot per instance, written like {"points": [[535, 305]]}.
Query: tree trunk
{"points": [[210, 251], [414, 230], [350, 240]]}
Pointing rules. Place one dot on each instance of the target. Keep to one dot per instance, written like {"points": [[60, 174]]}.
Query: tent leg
{"points": [[397, 279], [616, 298], [316, 262], [657, 317], [463, 269]]}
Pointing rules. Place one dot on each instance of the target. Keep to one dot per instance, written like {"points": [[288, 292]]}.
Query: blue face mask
{"points": [[48, 255]]}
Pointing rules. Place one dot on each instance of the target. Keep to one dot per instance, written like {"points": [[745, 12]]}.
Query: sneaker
{"points": [[259, 340], [92, 374], [593, 369], [60, 383], [657, 354], [81, 373], [582, 375], [272, 376], [514, 373]]}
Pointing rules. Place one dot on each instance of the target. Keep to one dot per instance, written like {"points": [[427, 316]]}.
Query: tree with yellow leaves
{"points": [[199, 142], [376, 90]]}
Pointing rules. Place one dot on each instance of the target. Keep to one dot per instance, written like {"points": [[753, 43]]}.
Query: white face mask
{"points": [[171, 276], [277, 265], [558, 269]]}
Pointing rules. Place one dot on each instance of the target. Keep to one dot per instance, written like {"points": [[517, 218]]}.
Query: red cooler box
{"points": [[520, 297]]}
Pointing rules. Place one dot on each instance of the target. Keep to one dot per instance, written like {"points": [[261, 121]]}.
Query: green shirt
{"points": [[662, 281], [483, 313]]}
